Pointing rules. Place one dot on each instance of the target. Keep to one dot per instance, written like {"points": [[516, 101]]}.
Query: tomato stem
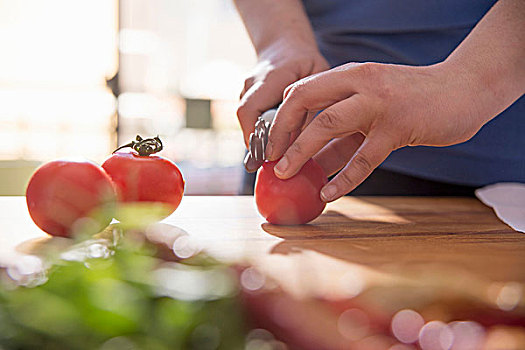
{"points": [[144, 147]]}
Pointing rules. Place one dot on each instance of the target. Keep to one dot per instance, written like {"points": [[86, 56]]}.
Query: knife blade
{"points": [[258, 140]]}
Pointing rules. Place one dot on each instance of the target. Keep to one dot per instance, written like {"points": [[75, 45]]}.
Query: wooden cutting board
{"points": [[355, 267], [379, 239]]}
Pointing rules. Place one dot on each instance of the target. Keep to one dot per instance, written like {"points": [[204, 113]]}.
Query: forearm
{"points": [[270, 21], [492, 58]]}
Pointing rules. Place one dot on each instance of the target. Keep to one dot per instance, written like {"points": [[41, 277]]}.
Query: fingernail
{"points": [[328, 193], [281, 166], [268, 151]]}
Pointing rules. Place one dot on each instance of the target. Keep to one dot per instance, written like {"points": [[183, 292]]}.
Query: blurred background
{"points": [[79, 77]]}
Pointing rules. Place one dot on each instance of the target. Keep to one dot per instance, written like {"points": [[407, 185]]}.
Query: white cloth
{"points": [[508, 201]]}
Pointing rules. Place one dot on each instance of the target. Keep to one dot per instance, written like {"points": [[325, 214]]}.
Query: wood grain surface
{"points": [[449, 259], [383, 238]]}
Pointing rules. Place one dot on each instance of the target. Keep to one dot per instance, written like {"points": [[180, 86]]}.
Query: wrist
{"points": [[492, 86], [469, 91]]}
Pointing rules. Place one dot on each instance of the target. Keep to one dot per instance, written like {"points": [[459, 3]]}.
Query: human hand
{"points": [[371, 109], [280, 64]]}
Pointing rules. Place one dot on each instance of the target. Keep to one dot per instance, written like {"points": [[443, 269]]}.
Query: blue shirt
{"points": [[417, 32]]}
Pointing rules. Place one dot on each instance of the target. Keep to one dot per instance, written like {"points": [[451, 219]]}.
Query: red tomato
{"points": [[292, 201], [70, 196], [147, 178]]}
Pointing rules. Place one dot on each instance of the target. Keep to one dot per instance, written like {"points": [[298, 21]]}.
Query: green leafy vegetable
{"points": [[126, 298]]}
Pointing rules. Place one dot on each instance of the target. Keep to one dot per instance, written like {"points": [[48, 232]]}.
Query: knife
{"points": [[258, 140]]}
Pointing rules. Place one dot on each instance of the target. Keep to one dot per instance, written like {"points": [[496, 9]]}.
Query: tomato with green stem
{"points": [[142, 178]]}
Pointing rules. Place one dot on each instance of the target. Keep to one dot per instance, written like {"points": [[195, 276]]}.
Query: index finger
{"points": [[343, 118], [312, 93]]}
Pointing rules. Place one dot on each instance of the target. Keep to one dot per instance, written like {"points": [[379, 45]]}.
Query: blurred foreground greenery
{"points": [[121, 297]]}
